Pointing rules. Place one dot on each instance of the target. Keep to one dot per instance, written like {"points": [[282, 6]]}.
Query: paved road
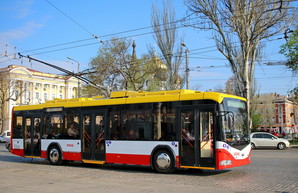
{"points": [[270, 171]]}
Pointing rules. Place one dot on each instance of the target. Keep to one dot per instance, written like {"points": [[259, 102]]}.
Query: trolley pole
{"points": [[186, 66], [79, 94]]}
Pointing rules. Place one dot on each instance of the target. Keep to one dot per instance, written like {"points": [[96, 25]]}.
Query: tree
{"points": [[238, 27], [9, 90], [290, 50], [116, 68], [165, 35]]}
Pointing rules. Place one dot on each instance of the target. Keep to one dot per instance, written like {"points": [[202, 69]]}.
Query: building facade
{"points": [[24, 86], [278, 114]]}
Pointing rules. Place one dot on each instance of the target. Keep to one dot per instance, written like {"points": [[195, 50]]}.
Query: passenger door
{"points": [[197, 136], [93, 136], [32, 135]]}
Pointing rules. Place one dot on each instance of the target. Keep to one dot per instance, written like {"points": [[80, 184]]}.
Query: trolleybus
{"points": [[165, 130]]}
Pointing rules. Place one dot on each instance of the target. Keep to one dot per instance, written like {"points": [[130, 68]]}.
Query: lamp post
{"points": [[186, 65], [79, 94]]}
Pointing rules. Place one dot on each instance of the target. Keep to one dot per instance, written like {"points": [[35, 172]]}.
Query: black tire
{"points": [[281, 146], [253, 146], [54, 155], [163, 161]]}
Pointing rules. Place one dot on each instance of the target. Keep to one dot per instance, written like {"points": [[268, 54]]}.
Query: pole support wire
{"points": [[87, 81]]}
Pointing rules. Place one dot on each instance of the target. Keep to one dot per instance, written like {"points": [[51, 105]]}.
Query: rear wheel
{"points": [[54, 155], [281, 146], [163, 161]]}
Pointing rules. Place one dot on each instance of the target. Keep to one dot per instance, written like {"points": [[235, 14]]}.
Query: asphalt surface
{"points": [[270, 171]]}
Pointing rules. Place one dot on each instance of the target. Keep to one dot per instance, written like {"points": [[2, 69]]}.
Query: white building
{"points": [[24, 86]]}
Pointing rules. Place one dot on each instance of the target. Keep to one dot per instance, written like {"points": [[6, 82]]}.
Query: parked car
{"points": [[264, 140], [5, 136]]}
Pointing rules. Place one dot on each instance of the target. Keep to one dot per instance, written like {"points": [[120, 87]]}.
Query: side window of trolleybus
{"points": [[18, 128], [53, 127]]}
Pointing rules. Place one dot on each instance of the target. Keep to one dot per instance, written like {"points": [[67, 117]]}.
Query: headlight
{"points": [[225, 162]]}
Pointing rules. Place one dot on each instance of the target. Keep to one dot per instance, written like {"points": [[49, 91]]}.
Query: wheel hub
{"points": [[163, 161], [54, 155]]}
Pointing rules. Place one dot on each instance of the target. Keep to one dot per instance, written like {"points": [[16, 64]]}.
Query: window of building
{"points": [[37, 95], [45, 96]]}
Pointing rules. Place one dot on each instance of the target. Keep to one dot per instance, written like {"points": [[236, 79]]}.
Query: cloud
{"points": [[24, 31], [23, 8]]}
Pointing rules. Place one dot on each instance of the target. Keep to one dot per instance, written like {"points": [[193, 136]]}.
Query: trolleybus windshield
{"points": [[234, 122]]}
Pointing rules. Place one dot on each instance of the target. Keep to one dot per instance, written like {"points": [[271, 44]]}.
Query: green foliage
{"points": [[290, 50], [256, 121], [117, 68], [294, 92]]}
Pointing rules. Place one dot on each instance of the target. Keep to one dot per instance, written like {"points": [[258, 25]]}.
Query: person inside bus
{"points": [[131, 135], [73, 131]]}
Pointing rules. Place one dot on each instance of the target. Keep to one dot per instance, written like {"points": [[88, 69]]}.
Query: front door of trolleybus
{"points": [[32, 135], [197, 137], [93, 135]]}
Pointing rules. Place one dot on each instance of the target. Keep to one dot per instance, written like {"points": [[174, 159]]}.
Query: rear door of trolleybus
{"points": [[93, 136], [197, 136], [32, 135]]}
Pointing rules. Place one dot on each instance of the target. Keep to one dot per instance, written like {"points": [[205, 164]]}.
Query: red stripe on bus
{"points": [[222, 154], [72, 156], [19, 152], [44, 154], [128, 159], [66, 156]]}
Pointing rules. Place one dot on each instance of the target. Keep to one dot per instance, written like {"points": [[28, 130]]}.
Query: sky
{"points": [[52, 30]]}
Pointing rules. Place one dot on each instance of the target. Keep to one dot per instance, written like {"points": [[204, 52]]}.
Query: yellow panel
{"points": [[214, 96], [32, 156], [151, 99], [104, 102], [193, 167], [121, 94], [192, 96], [28, 107], [131, 97], [93, 162]]}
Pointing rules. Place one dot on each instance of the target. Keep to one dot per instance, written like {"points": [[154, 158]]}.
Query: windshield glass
{"points": [[234, 122]]}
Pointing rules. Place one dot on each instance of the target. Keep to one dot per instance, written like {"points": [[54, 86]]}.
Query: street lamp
{"points": [[186, 65], [79, 94]]}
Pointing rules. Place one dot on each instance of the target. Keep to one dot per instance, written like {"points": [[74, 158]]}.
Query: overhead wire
{"points": [[180, 20], [177, 21]]}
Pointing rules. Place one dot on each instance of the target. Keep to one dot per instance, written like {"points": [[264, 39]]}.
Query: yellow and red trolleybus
{"points": [[165, 130]]}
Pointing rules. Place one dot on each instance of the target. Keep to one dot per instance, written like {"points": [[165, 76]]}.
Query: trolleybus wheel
{"points": [[54, 155], [163, 161]]}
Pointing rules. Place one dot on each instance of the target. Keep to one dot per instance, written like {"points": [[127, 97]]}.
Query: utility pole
{"points": [[79, 94], [186, 66]]}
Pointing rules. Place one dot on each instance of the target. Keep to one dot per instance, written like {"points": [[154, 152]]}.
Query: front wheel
{"points": [[281, 146], [163, 161], [54, 155]]}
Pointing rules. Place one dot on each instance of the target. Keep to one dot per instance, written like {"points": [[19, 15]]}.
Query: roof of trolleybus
{"points": [[131, 97]]}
